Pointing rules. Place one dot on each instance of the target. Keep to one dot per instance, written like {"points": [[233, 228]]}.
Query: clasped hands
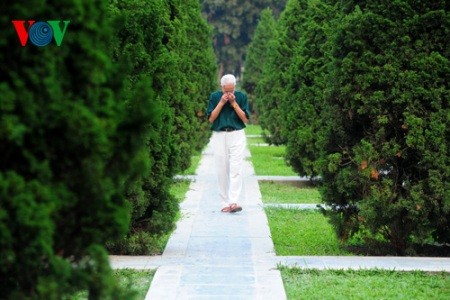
{"points": [[228, 97]]}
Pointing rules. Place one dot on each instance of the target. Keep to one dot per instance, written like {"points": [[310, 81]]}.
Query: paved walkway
{"points": [[214, 255]]}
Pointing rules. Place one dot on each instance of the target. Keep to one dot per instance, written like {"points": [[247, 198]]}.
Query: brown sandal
{"points": [[235, 208], [226, 209]]}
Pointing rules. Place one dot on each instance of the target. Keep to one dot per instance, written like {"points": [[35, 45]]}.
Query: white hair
{"points": [[228, 79]]}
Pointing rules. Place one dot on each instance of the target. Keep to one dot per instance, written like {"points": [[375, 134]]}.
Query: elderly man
{"points": [[228, 111]]}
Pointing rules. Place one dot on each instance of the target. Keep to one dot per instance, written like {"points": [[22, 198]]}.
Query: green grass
{"points": [[179, 188], [269, 160], [136, 281], [281, 192], [302, 232], [195, 160], [252, 129], [256, 141], [364, 284]]}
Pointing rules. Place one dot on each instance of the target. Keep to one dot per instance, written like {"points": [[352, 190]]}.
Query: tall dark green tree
{"points": [[364, 95], [68, 142], [192, 75], [387, 166], [258, 52], [271, 89], [167, 42], [304, 110], [139, 40]]}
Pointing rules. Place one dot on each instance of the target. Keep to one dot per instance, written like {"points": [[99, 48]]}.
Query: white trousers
{"points": [[229, 150]]}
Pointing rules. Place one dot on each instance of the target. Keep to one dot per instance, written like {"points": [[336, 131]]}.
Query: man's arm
{"points": [[239, 112], [216, 111]]}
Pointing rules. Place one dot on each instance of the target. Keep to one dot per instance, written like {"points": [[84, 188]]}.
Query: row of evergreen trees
{"points": [[91, 134], [359, 93]]}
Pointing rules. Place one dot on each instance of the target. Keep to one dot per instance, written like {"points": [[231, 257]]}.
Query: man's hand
{"points": [[231, 98], [225, 98]]}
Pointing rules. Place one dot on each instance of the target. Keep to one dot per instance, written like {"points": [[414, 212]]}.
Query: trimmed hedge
{"points": [[388, 161], [68, 142], [258, 51], [365, 106], [91, 134], [168, 44]]}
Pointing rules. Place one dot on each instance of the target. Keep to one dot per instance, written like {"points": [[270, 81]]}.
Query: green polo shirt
{"points": [[228, 117]]}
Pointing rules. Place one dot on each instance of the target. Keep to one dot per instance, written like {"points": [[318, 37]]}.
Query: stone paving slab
{"points": [[136, 262], [428, 264], [282, 178], [254, 135], [302, 206]]}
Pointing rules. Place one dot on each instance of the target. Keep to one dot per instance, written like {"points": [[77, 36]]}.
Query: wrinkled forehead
{"points": [[228, 88]]}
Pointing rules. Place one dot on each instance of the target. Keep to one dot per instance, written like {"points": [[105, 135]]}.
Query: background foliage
{"points": [[234, 22], [258, 55]]}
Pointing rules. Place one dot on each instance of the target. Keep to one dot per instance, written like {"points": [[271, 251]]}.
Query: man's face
{"points": [[228, 88]]}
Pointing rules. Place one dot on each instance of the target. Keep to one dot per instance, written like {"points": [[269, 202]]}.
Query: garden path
{"points": [[215, 255]]}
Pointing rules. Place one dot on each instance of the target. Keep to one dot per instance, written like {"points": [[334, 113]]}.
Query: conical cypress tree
{"points": [[167, 43], [257, 52], [68, 142], [191, 74], [272, 86], [387, 163], [303, 106], [141, 40]]}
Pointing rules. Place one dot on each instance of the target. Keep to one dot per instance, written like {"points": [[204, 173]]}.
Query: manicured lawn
{"points": [[195, 160], [297, 233], [269, 160], [254, 135], [256, 141], [179, 188], [364, 284], [252, 129], [138, 281], [302, 232], [282, 192]]}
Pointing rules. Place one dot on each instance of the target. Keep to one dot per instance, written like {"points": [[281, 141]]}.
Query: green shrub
{"points": [[69, 141], [304, 107], [271, 88], [257, 52], [172, 62], [358, 92], [387, 165]]}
